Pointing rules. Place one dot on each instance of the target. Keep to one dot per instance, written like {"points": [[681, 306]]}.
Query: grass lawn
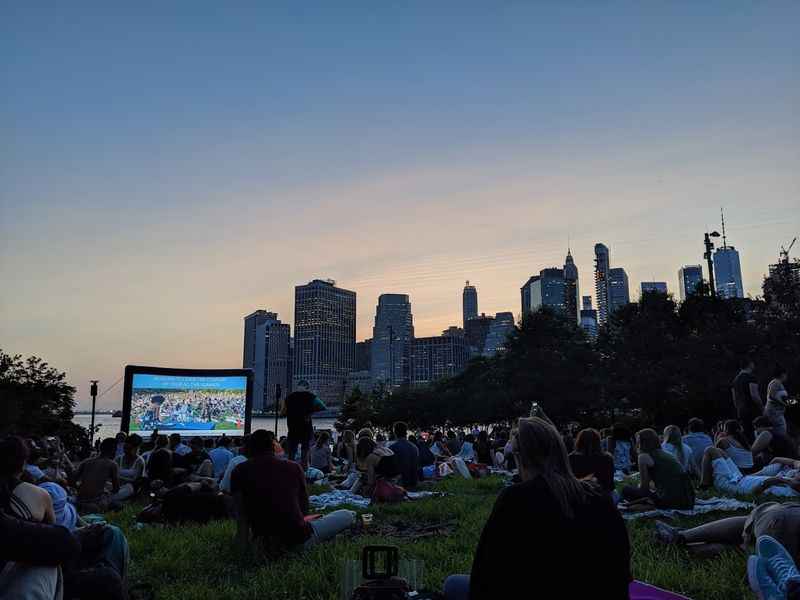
{"points": [[201, 561]]}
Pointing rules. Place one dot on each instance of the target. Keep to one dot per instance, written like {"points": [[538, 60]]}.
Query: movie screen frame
{"points": [[127, 398]]}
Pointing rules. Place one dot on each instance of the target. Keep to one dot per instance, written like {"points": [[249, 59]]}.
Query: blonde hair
{"points": [[672, 435], [541, 449]]}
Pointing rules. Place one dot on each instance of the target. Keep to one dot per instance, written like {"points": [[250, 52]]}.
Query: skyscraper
{"points": [[476, 330], [267, 354], [689, 277], [571, 288], [618, 292], [728, 273], [364, 355], [601, 276], [654, 286], [589, 317], [434, 358], [501, 328], [469, 301], [391, 340], [525, 293], [324, 338], [550, 290]]}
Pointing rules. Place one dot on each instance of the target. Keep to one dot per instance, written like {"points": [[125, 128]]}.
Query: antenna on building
{"points": [[724, 238]]}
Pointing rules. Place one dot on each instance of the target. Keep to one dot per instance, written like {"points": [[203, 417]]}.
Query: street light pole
{"points": [[93, 392], [278, 392]]}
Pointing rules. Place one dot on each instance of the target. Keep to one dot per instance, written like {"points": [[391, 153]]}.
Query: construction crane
{"points": [[784, 253]]}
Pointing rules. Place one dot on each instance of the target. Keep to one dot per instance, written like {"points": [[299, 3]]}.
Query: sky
{"points": [[167, 169]]}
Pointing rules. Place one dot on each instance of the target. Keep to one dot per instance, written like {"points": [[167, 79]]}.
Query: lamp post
{"points": [[93, 392], [709, 256], [278, 392]]}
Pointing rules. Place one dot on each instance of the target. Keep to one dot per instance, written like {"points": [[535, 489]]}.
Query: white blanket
{"points": [[700, 507], [340, 497]]}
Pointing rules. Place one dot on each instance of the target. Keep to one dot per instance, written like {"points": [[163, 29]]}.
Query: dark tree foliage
{"points": [[36, 400], [656, 362]]}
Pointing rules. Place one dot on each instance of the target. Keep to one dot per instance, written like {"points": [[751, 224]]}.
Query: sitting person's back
{"points": [[407, 456], [549, 515], [697, 440], [21, 499], [94, 473], [674, 446], [589, 460]]}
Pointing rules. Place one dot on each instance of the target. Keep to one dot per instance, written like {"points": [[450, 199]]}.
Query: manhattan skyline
{"points": [[165, 175]]}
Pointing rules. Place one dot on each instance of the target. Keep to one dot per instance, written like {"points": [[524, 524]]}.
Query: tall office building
{"points": [[501, 328], [391, 340], [435, 358], [571, 287], [618, 291], [525, 293], [324, 338], [550, 290], [589, 317], [476, 330], [728, 273], [267, 353], [601, 281], [689, 277], [654, 286], [454, 330], [364, 355], [469, 302]]}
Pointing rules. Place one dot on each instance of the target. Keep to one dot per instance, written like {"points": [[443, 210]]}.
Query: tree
{"points": [[36, 400]]}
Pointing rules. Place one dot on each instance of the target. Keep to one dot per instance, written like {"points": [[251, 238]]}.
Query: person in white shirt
{"points": [[777, 400]]}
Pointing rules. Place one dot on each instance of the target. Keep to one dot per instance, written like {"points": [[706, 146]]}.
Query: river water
{"points": [[109, 426]]}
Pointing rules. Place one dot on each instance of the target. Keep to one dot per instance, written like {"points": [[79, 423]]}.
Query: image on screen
{"points": [[189, 405]]}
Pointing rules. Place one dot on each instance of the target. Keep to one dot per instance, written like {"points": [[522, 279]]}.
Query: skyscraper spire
{"points": [[724, 238]]}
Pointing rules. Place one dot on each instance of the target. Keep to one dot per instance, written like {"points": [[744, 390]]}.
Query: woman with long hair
{"points": [[320, 454], [588, 461], [550, 513], [735, 446], [346, 448], [674, 446], [671, 485]]}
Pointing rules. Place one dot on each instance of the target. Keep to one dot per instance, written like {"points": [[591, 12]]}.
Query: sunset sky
{"points": [[165, 170]]}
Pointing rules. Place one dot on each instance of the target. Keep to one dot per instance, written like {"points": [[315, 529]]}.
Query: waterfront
{"points": [[109, 426]]}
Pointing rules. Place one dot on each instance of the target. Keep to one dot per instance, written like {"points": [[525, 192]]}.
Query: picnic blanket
{"points": [[340, 497], [700, 507]]}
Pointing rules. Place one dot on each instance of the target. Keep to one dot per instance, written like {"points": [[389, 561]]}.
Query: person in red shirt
{"points": [[272, 501]]}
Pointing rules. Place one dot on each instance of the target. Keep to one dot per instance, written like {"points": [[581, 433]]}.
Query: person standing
{"points": [[777, 400], [746, 397], [299, 407]]}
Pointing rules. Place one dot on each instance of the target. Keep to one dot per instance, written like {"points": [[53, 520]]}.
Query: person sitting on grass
{"points": [[95, 476], [483, 449], [22, 499], [346, 449], [407, 456], [374, 462], [320, 456], [698, 440], [732, 442], [770, 443], [221, 456], [674, 446], [271, 501], [426, 457], [131, 465], [588, 461], [621, 448], [672, 487], [438, 448], [552, 506], [177, 445], [467, 452], [780, 478]]}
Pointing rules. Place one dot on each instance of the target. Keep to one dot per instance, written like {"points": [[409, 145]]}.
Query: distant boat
{"points": [[117, 413]]}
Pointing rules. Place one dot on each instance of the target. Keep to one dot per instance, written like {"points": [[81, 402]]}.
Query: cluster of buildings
{"points": [[324, 351]]}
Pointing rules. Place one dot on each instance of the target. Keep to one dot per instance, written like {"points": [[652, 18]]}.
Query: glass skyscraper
{"points": [[728, 273], [654, 286], [267, 353], [571, 288], [392, 336], [618, 291], [601, 281], [434, 358], [501, 328], [689, 277], [324, 338], [469, 303], [589, 317]]}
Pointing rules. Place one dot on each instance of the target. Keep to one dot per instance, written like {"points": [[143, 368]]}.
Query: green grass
{"points": [[202, 562]]}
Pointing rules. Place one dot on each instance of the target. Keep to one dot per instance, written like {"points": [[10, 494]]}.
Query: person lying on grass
{"points": [[271, 501], [781, 521], [551, 514], [780, 478]]}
